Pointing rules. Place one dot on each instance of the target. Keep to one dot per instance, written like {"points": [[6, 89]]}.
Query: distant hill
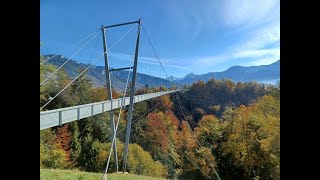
{"points": [[264, 74], [98, 77]]}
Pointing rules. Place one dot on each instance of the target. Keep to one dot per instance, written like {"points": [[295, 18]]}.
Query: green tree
{"points": [[75, 142], [139, 126], [45, 69], [85, 157]]}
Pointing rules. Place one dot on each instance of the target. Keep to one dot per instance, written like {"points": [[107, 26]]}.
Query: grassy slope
{"points": [[49, 174]]}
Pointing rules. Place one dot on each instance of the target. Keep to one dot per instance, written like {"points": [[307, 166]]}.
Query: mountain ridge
{"points": [[98, 77], [263, 74]]}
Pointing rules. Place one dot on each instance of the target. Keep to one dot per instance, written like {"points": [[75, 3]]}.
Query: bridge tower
{"points": [[132, 91]]}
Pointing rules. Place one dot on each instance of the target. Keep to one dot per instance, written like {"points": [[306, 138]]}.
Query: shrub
{"points": [[51, 153], [139, 161]]}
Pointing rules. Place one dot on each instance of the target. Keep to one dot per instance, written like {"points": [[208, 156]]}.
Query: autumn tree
{"points": [[215, 95], [156, 139], [63, 137], [253, 140], [209, 131], [52, 154], [187, 146]]}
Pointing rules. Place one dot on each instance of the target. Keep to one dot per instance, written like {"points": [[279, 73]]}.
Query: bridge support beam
{"points": [[132, 91], [109, 92]]}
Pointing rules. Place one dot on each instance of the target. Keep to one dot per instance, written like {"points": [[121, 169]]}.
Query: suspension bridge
{"points": [[58, 117]]}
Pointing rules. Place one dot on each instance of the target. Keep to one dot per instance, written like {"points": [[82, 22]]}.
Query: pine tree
{"points": [[75, 142]]}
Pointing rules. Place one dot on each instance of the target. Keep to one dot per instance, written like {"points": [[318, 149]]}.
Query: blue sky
{"points": [[189, 36]]}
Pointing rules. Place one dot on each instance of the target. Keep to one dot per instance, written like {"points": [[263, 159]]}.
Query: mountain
{"points": [[98, 77], [263, 74], [172, 78]]}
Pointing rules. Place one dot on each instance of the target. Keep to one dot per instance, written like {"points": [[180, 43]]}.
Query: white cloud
{"points": [[259, 38], [193, 17], [262, 61], [255, 57], [166, 62], [257, 53], [244, 12], [210, 60], [197, 27]]}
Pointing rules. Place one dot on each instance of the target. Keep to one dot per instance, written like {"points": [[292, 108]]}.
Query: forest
{"points": [[208, 128]]}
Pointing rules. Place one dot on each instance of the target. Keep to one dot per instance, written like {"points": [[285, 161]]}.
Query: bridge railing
{"points": [[61, 116]]}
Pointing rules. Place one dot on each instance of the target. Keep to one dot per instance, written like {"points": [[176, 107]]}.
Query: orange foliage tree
{"points": [[63, 138]]}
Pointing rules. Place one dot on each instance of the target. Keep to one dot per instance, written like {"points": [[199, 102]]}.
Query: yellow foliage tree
{"points": [[254, 138]]}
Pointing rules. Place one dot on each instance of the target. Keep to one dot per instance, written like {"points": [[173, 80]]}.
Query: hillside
{"points": [[222, 112], [97, 74]]}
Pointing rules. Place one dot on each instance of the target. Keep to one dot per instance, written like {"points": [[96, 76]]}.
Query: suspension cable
{"points": [[115, 133], [170, 144], [145, 32], [137, 119], [69, 59], [196, 138], [85, 70], [154, 50], [191, 161]]}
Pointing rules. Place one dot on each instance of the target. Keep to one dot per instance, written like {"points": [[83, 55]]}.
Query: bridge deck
{"points": [[61, 116]]}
